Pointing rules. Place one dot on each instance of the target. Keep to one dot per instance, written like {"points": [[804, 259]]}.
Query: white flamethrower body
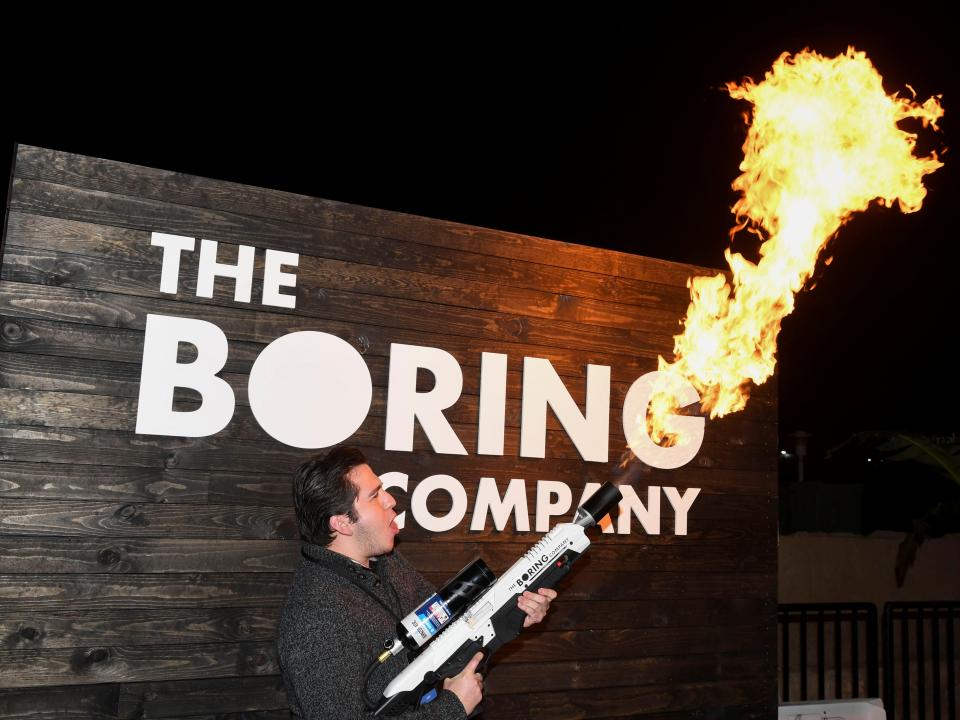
{"points": [[494, 618]]}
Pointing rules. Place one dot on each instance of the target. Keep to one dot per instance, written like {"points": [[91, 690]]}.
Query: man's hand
{"points": [[535, 605], [468, 685]]}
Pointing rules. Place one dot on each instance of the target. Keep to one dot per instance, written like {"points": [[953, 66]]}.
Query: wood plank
{"points": [[159, 700], [54, 268], [240, 698], [142, 591], [29, 555], [50, 337], [72, 480], [67, 410], [713, 480], [105, 413], [110, 664], [588, 585], [124, 663], [72, 518], [112, 177], [602, 557], [129, 522], [38, 444], [566, 614], [548, 646], [99, 208], [45, 373], [73, 339], [68, 551], [27, 328], [700, 531], [70, 379], [726, 510], [523, 707], [121, 379], [518, 678], [74, 702], [27, 630], [222, 452], [55, 592], [78, 478], [122, 250], [67, 481], [624, 702], [32, 630], [63, 408], [38, 304], [25, 371], [215, 695]]}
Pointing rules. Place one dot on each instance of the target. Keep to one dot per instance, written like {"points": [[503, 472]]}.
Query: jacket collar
{"points": [[326, 557]]}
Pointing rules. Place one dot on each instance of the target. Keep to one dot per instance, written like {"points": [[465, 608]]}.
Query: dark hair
{"points": [[321, 490]]}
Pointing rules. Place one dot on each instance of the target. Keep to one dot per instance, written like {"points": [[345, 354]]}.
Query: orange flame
{"points": [[823, 144]]}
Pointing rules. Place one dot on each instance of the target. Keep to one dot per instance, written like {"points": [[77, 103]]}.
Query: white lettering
{"points": [[553, 498], [161, 374], [170, 269], [274, 279], [690, 430], [493, 403], [648, 516], [546, 507], [209, 268], [418, 503], [310, 389], [488, 500], [681, 505], [404, 403], [541, 387]]}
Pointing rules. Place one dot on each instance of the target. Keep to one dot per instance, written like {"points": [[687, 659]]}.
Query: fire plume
{"points": [[823, 143]]}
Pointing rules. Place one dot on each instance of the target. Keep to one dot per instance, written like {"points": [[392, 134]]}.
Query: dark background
{"points": [[608, 133]]}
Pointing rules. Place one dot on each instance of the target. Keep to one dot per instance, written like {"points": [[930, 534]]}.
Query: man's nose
{"points": [[389, 502]]}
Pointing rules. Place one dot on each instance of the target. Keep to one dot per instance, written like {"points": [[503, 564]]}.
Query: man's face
{"points": [[375, 529]]}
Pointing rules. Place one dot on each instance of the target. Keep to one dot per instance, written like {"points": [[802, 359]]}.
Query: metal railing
{"points": [[840, 639], [920, 660]]}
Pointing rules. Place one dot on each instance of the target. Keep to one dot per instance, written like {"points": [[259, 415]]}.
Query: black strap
{"points": [[352, 578]]}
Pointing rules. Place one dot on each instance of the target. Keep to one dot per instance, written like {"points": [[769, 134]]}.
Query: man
{"points": [[348, 593]]}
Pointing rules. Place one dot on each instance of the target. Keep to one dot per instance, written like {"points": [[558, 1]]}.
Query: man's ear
{"points": [[341, 525]]}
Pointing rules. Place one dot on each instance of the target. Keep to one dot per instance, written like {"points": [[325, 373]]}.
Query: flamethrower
{"points": [[494, 618]]}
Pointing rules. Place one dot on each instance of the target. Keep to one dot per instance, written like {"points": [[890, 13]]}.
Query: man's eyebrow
{"points": [[377, 489]]}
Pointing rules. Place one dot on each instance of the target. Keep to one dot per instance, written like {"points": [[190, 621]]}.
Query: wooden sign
{"points": [[159, 331]]}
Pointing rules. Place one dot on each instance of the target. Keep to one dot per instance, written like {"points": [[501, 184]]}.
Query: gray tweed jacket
{"points": [[330, 629]]}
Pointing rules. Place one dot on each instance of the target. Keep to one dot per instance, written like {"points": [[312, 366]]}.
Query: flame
{"points": [[823, 144]]}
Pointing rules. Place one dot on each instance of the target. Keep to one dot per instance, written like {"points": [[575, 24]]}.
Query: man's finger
{"points": [[474, 661], [534, 600]]}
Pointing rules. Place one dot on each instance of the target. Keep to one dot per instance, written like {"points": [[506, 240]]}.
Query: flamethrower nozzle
{"points": [[598, 505]]}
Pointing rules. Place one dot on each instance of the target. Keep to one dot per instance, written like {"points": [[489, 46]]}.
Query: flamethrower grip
{"points": [[433, 679], [458, 661]]}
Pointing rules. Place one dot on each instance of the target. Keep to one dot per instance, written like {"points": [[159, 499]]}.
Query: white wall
{"points": [[821, 567]]}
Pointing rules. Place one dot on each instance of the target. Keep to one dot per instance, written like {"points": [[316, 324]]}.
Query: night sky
{"points": [[610, 134]]}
